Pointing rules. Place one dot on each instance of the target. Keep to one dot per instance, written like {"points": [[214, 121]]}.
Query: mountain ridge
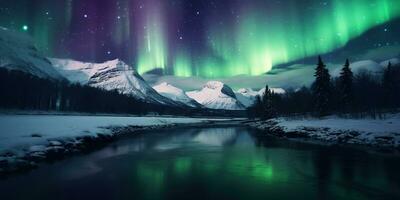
{"points": [[111, 75], [216, 95]]}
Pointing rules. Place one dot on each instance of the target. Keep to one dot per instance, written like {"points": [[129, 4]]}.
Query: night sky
{"points": [[209, 38]]}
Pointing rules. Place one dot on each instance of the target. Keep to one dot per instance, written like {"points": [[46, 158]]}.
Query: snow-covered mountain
{"points": [[110, 75], [393, 61], [247, 96], [274, 90], [363, 65], [176, 94], [216, 95], [18, 52]]}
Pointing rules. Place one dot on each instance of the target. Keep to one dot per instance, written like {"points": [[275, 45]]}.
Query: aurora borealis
{"points": [[207, 38]]}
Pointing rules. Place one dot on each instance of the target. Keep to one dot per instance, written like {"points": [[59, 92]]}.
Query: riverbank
{"points": [[381, 133], [27, 140]]}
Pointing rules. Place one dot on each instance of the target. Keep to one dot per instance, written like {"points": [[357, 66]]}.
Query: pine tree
{"points": [[389, 86], [322, 89], [267, 104], [346, 88], [255, 110]]}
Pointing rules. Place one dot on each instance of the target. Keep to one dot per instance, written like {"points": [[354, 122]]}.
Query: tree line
{"points": [[357, 95], [24, 91]]}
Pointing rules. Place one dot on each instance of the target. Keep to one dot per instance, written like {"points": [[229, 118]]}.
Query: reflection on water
{"points": [[216, 137], [216, 163]]}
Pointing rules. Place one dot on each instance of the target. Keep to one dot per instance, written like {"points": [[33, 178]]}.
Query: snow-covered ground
{"points": [[377, 132], [22, 132], [388, 125]]}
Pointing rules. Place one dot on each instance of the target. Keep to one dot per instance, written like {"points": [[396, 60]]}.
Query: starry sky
{"points": [[207, 38]]}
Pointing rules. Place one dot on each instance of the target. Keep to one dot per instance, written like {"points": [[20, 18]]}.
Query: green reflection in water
{"points": [[235, 166], [182, 165], [251, 166], [151, 179], [216, 164]]}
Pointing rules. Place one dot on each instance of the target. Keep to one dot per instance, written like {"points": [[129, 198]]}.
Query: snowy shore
{"points": [[382, 133], [26, 140]]}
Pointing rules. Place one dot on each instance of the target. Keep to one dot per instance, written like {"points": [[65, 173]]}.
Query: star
{"points": [[85, 16], [25, 27]]}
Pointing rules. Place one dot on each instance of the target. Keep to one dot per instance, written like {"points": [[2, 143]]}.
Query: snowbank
{"points": [[26, 139], [17, 130], [381, 133], [388, 125]]}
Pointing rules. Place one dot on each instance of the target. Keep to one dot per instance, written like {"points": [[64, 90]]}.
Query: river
{"points": [[211, 163]]}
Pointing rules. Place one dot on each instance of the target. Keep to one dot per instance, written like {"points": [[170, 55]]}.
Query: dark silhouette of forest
{"points": [[355, 95], [23, 91]]}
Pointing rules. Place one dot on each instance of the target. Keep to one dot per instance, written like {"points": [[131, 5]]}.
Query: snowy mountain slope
{"points": [[274, 90], [364, 65], [393, 61], [216, 95], [18, 52], [176, 94], [110, 75], [248, 96]]}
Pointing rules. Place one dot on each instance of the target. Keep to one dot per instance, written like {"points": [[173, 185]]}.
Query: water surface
{"points": [[212, 163]]}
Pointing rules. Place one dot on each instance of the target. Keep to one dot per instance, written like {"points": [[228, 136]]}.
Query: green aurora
{"points": [[258, 41], [209, 39]]}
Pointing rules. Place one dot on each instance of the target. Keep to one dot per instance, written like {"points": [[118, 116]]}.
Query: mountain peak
{"points": [[214, 84], [119, 64], [165, 84], [219, 86], [115, 61], [216, 95], [176, 94]]}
